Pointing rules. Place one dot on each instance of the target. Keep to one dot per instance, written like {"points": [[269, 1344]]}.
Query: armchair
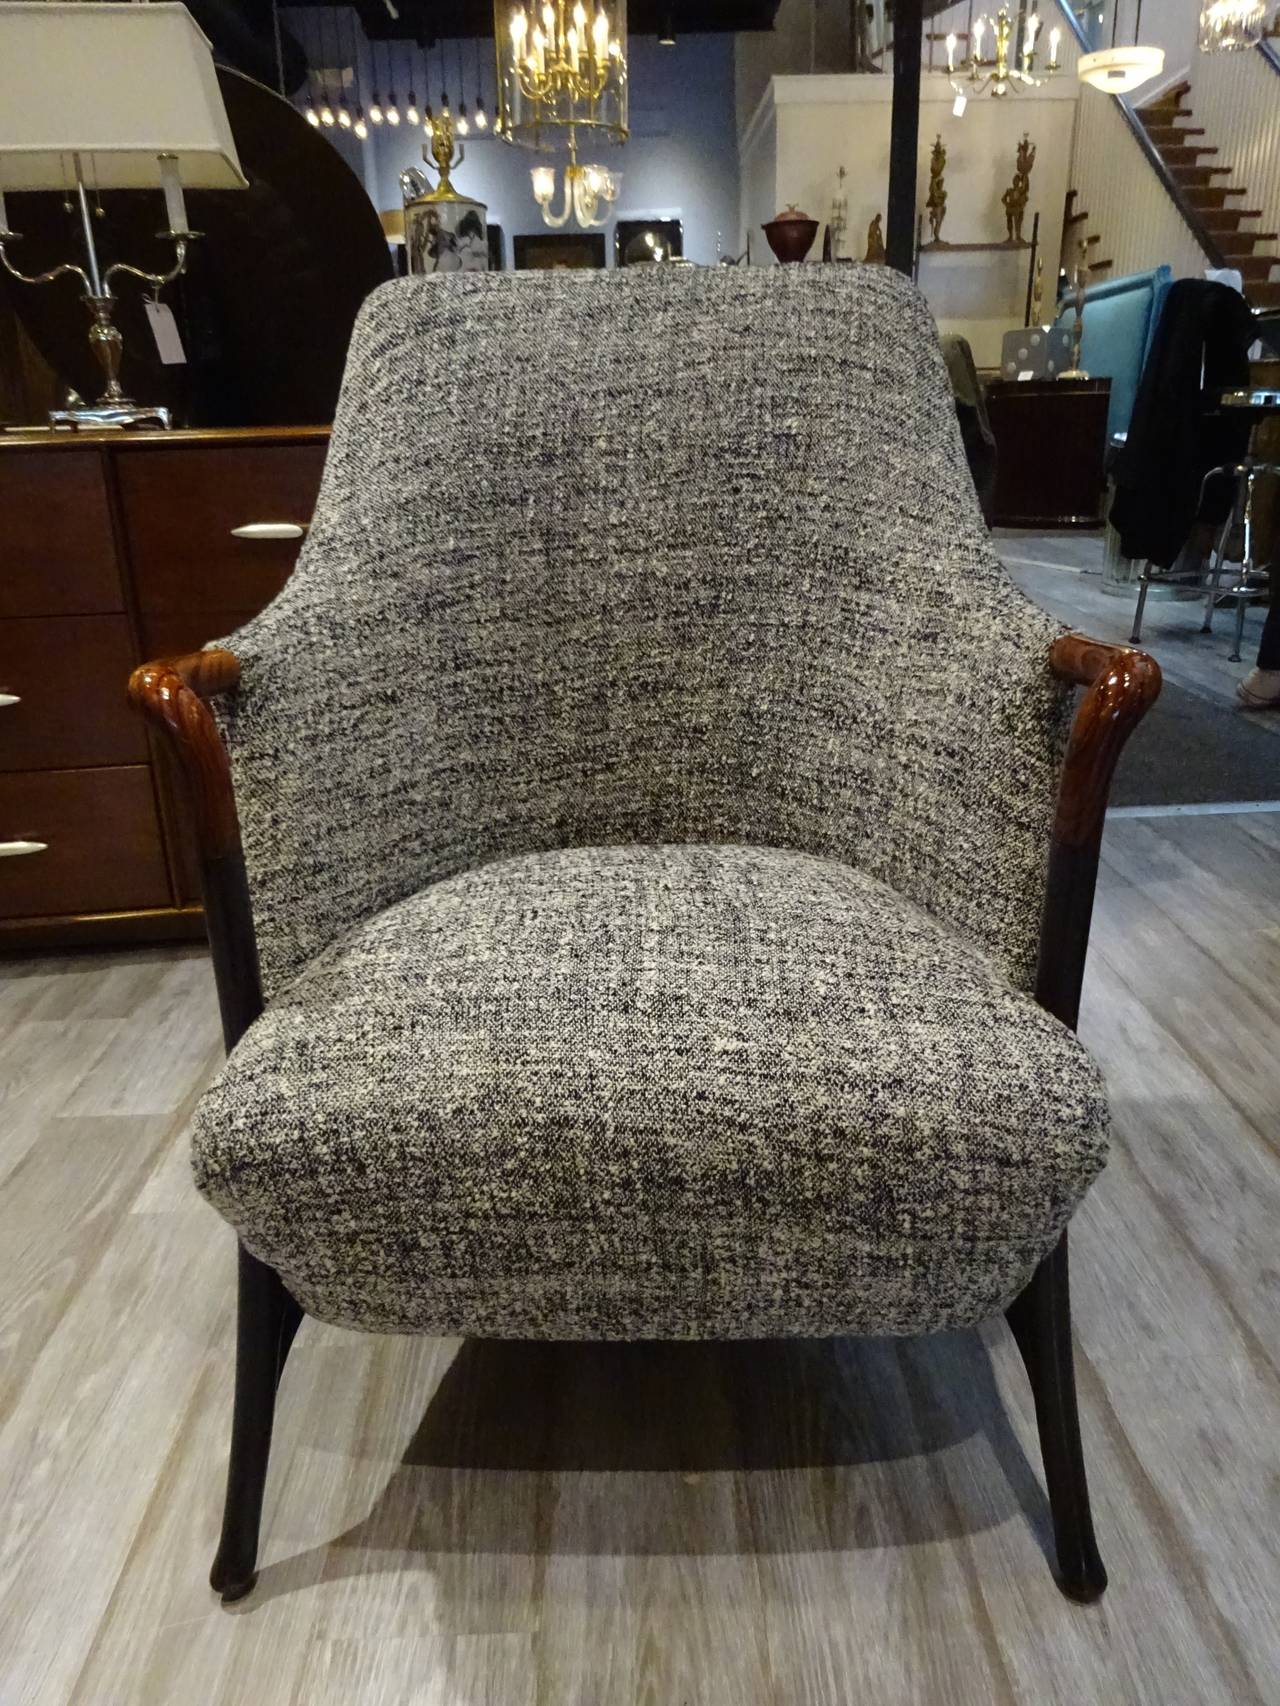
{"points": [[647, 897]]}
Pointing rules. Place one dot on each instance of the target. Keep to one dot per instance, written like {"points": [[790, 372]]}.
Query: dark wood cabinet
{"points": [[60, 679], [1051, 441], [59, 553], [119, 547], [97, 840]]}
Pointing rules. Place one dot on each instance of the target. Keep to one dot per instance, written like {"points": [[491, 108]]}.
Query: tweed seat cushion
{"points": [[652, 1091]]}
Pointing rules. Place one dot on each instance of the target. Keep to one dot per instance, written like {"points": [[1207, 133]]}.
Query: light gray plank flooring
{"points": [[1063, 572], [456, 1523]]}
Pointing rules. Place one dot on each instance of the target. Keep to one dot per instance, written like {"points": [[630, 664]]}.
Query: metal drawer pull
{"points": [[268, 530], [15, 849], [10, 699]]}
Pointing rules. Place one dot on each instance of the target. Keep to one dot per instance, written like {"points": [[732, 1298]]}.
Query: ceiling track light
{"points": [[481, 118], [411, 114], [391, 111]]}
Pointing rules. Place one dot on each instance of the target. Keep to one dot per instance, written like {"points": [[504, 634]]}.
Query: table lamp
{"points": [[109, 96]]}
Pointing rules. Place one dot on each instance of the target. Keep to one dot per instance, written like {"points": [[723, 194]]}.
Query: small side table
{"points": [[1051, 438]]}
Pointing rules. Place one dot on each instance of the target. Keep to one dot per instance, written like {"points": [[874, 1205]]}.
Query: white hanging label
{"points": [[164, 329]]}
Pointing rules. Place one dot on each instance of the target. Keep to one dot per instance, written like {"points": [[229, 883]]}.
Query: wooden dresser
{"points": [[116, 548]]}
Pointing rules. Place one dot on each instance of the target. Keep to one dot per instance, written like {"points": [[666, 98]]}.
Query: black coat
{"points": [[1201, 344]]}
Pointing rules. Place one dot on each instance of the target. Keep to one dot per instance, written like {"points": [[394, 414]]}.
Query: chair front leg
{"points": [[267, 1320], [1040, 1318]]}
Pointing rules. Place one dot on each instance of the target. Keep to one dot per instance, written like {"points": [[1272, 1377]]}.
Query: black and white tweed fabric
{"points": [[646, 780], [665, 1092]]}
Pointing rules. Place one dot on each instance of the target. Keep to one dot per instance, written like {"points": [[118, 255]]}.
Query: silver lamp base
{"points": [[121, 414]]}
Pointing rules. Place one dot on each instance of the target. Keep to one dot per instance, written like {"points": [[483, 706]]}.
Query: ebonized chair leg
{"points": [[267, 1319], [1040, 1318]]}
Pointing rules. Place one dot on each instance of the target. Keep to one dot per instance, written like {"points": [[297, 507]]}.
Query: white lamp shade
{"points": [[118, 84], [1119, 69]]}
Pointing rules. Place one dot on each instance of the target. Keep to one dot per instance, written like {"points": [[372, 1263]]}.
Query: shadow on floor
{"points": [[600, 1450]]}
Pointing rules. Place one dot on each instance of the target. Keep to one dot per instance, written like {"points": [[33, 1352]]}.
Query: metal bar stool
{"points": [[1252, 581]]}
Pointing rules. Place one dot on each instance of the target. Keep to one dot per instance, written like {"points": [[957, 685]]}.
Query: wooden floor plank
{"points": [[728, 1525]]}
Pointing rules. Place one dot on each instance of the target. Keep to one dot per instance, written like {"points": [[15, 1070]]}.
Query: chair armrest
{"points": [[1123, 683], [171, 694]]}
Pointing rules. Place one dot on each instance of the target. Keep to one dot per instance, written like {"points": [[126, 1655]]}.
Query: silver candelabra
{"points": [[113, 408]]}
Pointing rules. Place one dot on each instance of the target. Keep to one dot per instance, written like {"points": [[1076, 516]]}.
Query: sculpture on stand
{"points": [[443, 231], [936, 205], [875, 243], [1017, 195], [1075, 371], [838, 224]]}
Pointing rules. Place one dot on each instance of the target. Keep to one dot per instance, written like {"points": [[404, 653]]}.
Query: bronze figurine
{"points": [[875, 244], [936, 206], [1015, 198]]}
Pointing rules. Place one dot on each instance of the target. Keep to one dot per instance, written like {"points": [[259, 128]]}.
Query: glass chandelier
{"points": [[1226, 26], [1015, 44], [562, 71]]}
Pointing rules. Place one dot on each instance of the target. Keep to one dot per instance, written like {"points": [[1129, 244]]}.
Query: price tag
{"points": [[1026, 374], [164, 329]]}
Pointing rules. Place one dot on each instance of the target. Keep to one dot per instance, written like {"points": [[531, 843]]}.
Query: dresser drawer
{"points": [[57, 553], [67, 675], [182, 508], [99, 843]]}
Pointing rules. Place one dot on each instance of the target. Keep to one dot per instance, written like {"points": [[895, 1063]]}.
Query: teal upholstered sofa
{"points": [[1120, 319]]}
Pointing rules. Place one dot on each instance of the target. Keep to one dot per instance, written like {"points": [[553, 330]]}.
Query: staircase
{"points": [[1214, 206], [1075, 222]]}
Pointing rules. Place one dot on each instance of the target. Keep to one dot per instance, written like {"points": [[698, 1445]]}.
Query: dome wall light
{"points": [[1119, 70]]}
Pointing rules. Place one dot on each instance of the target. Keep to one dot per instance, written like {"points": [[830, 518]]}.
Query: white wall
{"points": [[824, 122]]}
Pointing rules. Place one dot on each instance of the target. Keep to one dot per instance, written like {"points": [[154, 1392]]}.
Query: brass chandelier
{"points": [[1014, 54], [562, 72]]}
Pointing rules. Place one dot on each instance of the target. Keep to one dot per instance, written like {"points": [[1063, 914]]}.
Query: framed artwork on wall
{"points": [[544, 251], [635, 239]]}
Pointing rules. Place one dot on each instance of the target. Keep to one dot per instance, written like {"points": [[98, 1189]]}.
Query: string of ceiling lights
{"points": [[334, 100]]}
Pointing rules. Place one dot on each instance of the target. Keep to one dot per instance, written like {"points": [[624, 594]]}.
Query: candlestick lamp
{"points": [[109, 96]]}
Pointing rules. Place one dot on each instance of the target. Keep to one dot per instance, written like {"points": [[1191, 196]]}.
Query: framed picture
{"points": [[544, 251], [635, 239], [497, 255]]}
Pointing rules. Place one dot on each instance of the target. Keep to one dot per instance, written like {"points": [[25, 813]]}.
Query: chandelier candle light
{"points": [[562, 70], [1015, 45]]}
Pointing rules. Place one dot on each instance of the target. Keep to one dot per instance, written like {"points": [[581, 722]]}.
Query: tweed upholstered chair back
{"points": [[661, 555]]}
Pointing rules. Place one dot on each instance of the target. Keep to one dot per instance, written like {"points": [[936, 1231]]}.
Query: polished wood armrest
{"points": [[172, 695], [1123, 683]]}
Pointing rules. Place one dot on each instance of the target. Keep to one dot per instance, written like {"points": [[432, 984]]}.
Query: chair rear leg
{"points": [[1144, 582], [1040, 1317], [267, 1319]]}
